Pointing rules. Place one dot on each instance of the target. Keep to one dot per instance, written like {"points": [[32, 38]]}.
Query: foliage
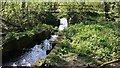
{"points": [[39, 28], [90, 37], [91, 44], [22, 16], [96, 41]]}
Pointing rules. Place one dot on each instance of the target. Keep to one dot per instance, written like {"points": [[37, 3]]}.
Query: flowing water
{"points": [[38, 51], [63, 23]]}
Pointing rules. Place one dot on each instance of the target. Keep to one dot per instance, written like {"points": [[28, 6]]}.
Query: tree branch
{"points": [[104, 64]]}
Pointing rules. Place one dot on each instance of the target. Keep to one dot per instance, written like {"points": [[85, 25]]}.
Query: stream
{"points": [[38, 51]]}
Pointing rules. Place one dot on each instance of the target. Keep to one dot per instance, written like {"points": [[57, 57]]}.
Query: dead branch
{"points": [[113, 61]]}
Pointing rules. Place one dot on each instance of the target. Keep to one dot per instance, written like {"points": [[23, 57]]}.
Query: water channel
{"points": [[38, 51]]}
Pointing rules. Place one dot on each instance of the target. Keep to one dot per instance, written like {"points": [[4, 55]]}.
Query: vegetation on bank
{"points": [[87, 44], [92, 38], [39, 28], [22, 16]]}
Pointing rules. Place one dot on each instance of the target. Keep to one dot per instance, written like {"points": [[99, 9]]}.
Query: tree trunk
{"points": [[106, 9], [23, 8], [118, 8]]}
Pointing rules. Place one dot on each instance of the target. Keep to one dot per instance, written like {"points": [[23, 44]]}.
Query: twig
{"points": [[114, 61]]}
